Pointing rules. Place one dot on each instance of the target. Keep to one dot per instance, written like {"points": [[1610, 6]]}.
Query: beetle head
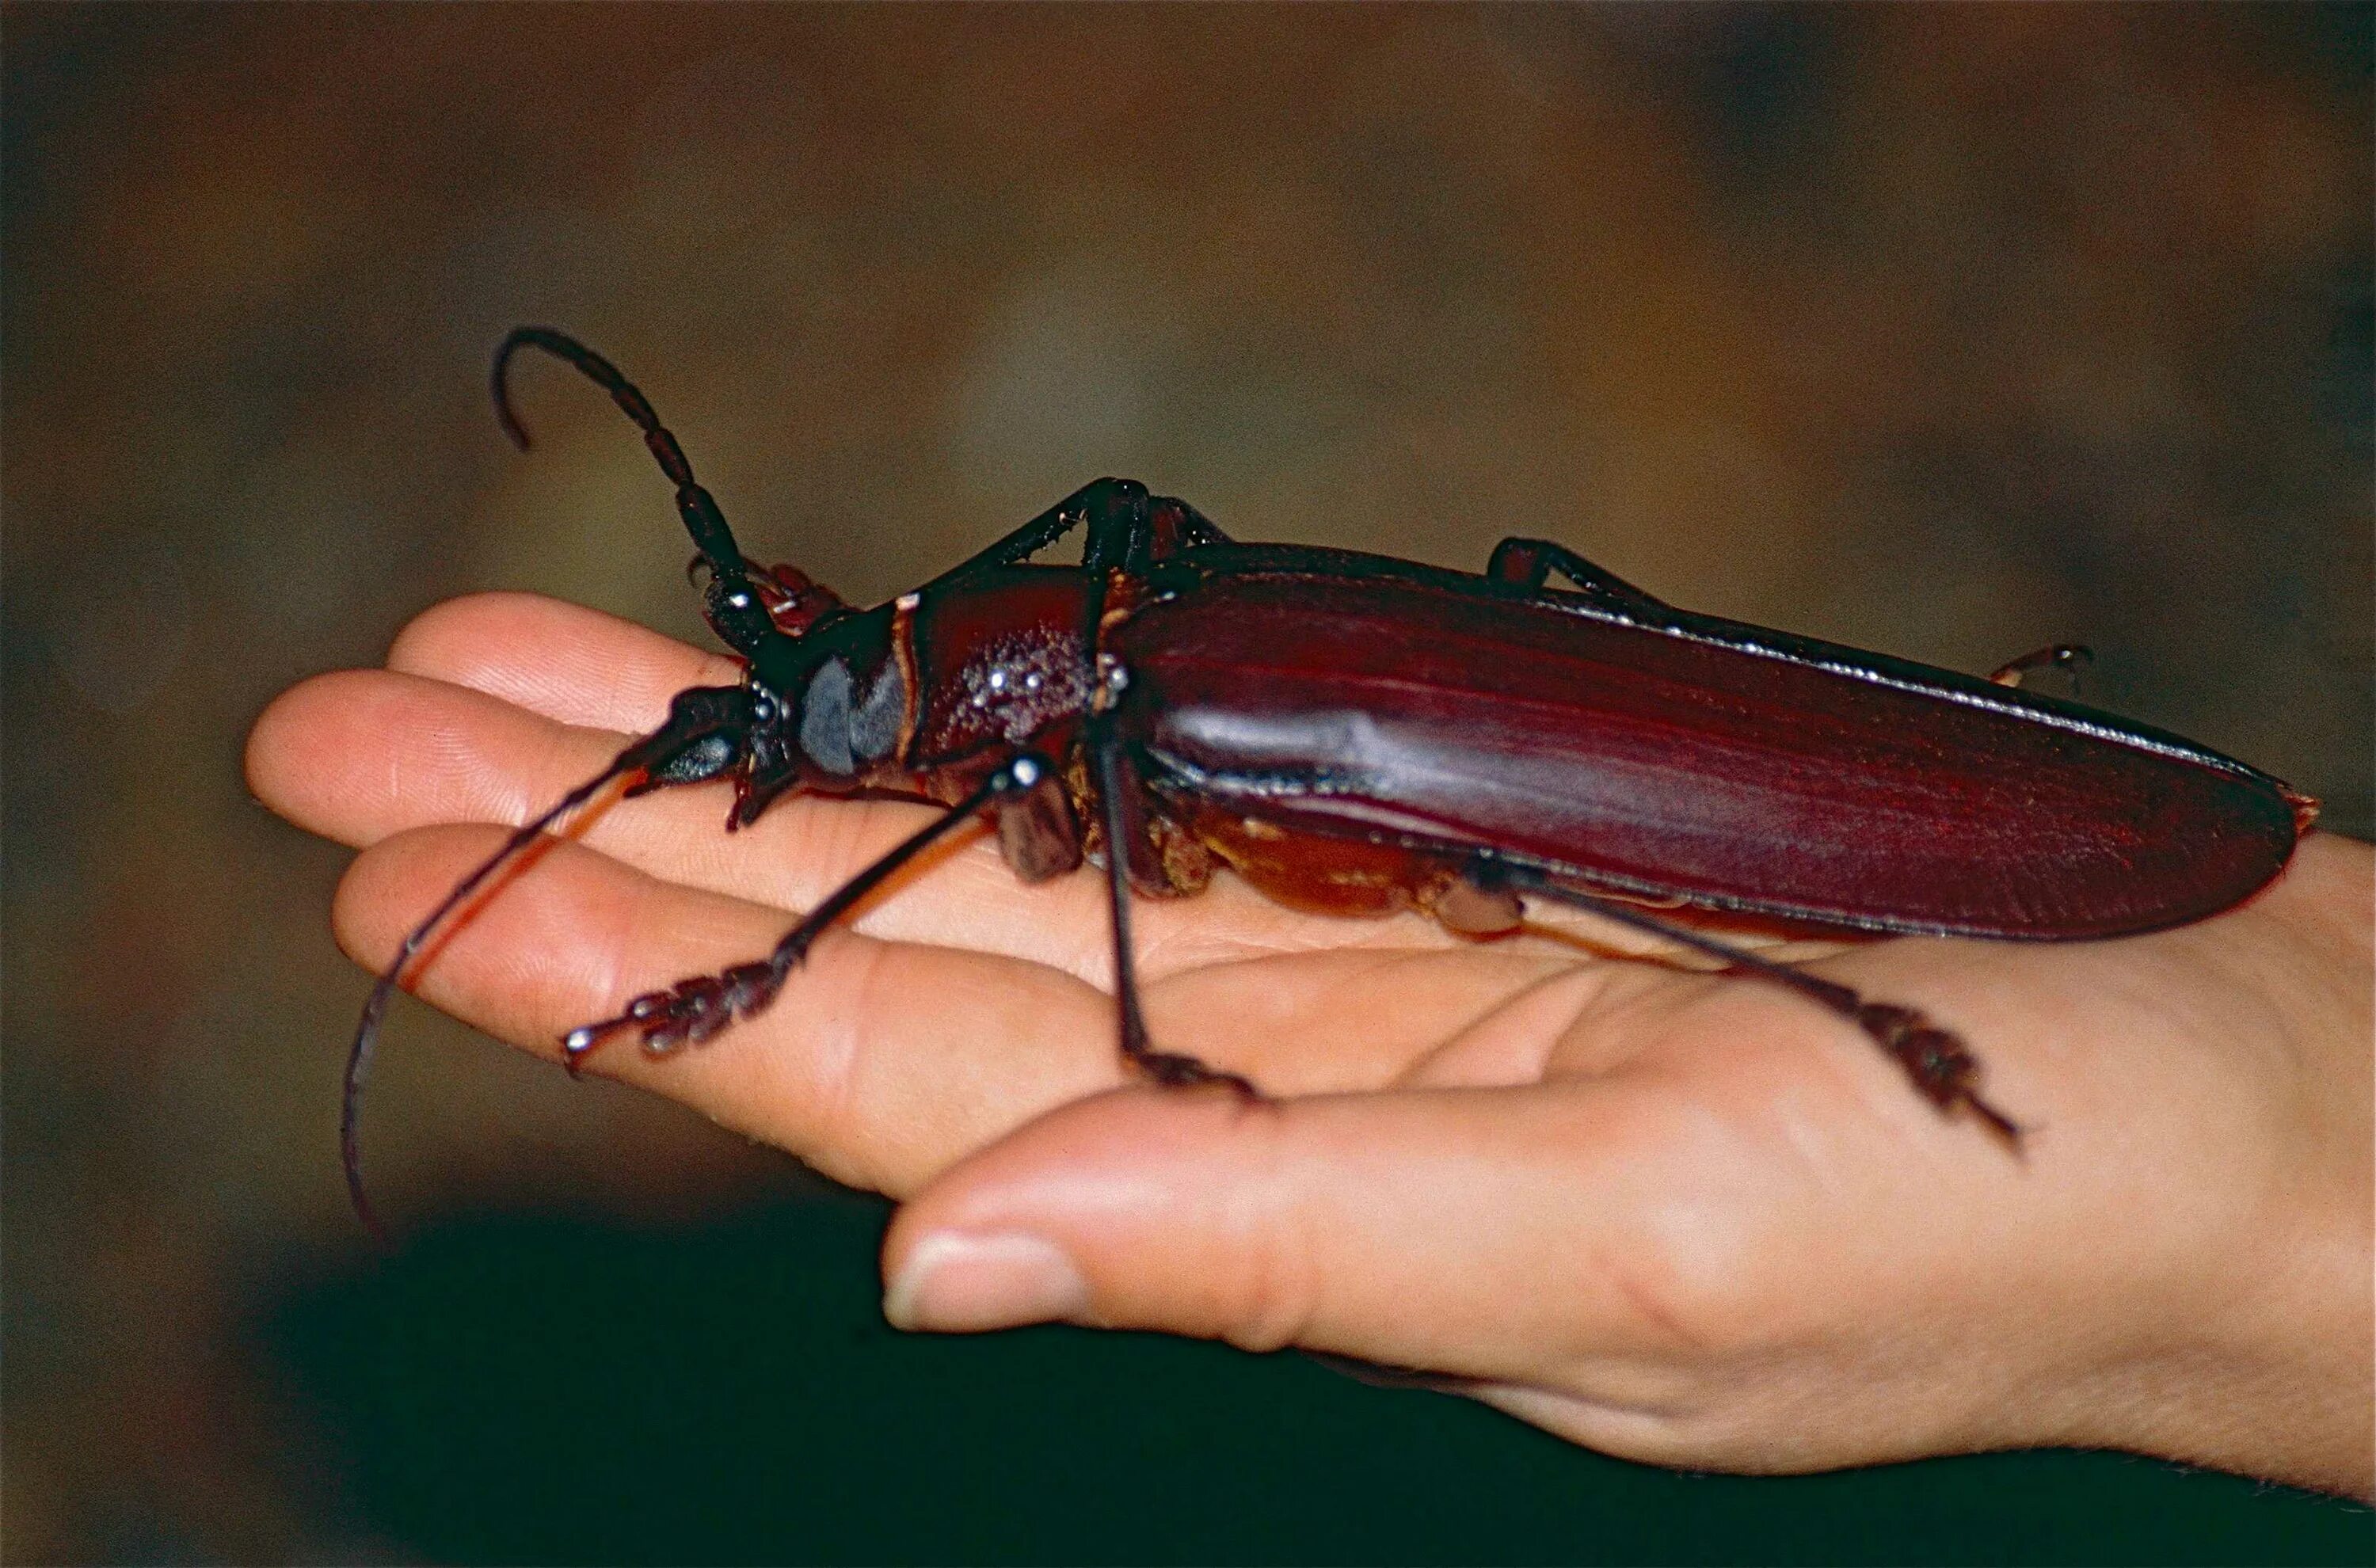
{"points": [[828, 699], [829, 707]]}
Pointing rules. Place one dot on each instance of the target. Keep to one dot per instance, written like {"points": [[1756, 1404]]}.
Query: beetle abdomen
{"points": [[1733, 768]]}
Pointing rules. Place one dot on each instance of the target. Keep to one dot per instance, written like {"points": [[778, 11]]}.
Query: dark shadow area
{"points": [[534, 1389]]}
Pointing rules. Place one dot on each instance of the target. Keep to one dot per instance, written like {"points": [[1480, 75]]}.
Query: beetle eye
{"points": [[874, 727], [825, 718], [840, 734]]}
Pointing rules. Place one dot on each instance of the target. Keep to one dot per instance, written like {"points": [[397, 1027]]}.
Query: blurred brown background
{"points": [[1947, 331]]}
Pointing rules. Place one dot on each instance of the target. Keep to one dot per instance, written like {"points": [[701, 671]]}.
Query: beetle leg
{"points": [[1111, 768], [1176, 526], [2069, 657], [1113, 510], [1036, 834], [1942, 1069], [692, 1010], [1470, 908], [1530, 561]]}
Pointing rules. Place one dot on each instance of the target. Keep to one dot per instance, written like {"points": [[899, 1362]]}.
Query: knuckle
{"points": [[1273, 1235], [1700, 1293]]}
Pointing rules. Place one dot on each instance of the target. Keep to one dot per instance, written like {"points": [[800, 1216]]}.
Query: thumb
{"points": [[1468, 1230]]}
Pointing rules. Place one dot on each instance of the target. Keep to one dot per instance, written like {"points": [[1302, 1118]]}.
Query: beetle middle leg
{"points": [[1936, 1061], [1528, 563], [1117, 793]]}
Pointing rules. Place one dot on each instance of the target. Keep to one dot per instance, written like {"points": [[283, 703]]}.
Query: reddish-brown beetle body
{"points": [[1358, 733], [1678, 756], [1277, 694]]}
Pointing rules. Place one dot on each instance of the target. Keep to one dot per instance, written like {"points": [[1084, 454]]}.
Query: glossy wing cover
{"points": [[1354, 698]]}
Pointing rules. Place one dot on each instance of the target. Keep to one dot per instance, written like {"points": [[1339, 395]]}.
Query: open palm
{"points": [[1676, 1216]]}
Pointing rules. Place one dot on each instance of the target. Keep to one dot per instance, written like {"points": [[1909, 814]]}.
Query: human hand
{"points": [[1681, 1218]]}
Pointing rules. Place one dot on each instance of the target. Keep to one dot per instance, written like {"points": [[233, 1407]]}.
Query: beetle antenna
{"points": [[359, 1054], [706, 733], [735, 608]]}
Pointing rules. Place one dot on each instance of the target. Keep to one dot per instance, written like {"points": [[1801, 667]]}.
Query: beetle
{"points": [[1359, 734]]}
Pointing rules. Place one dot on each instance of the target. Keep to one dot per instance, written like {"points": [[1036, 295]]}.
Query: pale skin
{"points": [[1685, 1218]]}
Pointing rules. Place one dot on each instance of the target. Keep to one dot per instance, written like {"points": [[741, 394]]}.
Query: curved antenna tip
{"points": [[366, 1043], [501, 382]]}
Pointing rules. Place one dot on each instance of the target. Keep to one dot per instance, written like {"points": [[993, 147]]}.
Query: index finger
{"points": [[561, 660]]}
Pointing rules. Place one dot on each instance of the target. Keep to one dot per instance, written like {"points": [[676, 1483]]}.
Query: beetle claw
{"points": [[582, 1040], [1940, 1066], [2006, 1131], [1175, 1071]]}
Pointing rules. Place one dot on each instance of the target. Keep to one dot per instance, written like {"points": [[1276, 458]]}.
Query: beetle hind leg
{"points": [[1529, 563], [1941, 1067], [1936, 1061], [1164, 1066]]}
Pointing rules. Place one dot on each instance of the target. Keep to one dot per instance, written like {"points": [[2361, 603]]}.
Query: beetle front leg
{"points": [[1126, 527], [693, 1010], [1112, 511], [708, 733]]}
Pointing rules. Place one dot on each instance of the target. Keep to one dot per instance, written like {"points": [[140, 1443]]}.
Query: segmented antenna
{"points": [[735, 607], [359, 1054]]}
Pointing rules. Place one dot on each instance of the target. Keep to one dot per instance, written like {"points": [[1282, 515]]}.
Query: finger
{"points": [[1369, 1018], [878, 1063], [361, 754], [1503, 1233], [357, 755], [581, 667], [571, 664]]}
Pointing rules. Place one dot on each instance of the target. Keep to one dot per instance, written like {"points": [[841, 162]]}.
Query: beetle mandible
{"points": [[1359, 734]]}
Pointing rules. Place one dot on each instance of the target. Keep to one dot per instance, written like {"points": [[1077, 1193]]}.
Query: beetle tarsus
{"points": [[2069, 658], [1941, 1067], [687, 1013]]}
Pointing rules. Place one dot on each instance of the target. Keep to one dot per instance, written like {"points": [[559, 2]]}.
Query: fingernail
{"points": [[957, 1283]]}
